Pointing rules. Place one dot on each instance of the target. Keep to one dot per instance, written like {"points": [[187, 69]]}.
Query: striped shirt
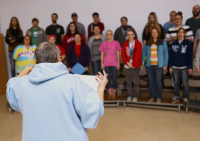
{"points": [[154, 55], [172, 32]]}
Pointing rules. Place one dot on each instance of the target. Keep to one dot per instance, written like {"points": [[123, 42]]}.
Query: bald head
{"points": [[196, 6], [196, 10]]}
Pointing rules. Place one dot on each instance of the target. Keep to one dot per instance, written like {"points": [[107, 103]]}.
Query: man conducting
{"points": [[56, 105]]}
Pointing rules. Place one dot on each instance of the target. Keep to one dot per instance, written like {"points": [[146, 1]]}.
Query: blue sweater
{"points": [[162, 53], [83, 59], [180, 55], [55, 105]]}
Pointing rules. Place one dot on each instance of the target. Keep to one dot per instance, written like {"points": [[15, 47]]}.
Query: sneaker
{"points": [[158, 100], [185, 101], [129, 98], [135, 99], [174, 100], [151, 100]]}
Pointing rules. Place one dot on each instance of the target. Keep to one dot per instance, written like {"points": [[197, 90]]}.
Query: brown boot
{"points": [[114, 93], [109, 93]]}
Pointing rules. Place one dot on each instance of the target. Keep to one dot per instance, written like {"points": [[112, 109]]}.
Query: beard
{"points": [[54, 21], [196, 14]]}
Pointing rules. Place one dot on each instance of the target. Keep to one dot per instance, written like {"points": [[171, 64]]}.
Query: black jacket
{"points": [[14, 34], [83, 59], [119, 35]]}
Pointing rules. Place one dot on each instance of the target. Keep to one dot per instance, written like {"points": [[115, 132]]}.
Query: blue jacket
{"points": [[83, 59], [55, 105], [180, 55], [162, 53]]}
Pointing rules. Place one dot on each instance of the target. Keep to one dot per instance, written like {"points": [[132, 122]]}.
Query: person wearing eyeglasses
{"points": [[120, 35], [110, 62], [171, 35], [24, 54], [131, 55]]}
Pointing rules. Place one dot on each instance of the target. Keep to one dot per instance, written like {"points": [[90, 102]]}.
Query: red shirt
{"points": [[69, 40], [77, 49], [61, 49]]}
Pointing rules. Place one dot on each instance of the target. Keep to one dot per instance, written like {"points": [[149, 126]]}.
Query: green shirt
{"points": [[194, 24], [35, 39], [56, 30]]}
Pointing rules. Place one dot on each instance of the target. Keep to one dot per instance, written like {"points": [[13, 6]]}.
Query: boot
{"points": [[110, 93], [114, 93]]}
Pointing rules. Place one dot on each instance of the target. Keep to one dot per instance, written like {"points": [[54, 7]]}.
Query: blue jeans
{"points": [[112, 70], [183, 73], [155, 81], [12, 63], [96, 65]]}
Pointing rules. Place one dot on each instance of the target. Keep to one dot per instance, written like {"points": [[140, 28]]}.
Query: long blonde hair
{"points": [[156, 24]]}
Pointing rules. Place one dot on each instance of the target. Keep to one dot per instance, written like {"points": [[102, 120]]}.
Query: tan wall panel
{"points": [[3, 71]]}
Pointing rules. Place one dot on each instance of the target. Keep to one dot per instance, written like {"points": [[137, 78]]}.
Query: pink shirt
{"points": [[110, 52]]}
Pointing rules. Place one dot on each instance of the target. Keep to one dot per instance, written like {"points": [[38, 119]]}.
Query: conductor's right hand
{"points": [[102, 80]]}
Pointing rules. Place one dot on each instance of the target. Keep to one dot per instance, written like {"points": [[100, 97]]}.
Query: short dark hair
{"points": [[180, 14], [96, 26], [35, 19], [131, 31], [172, 12], [54, 14], [124, 18], [180, 30], [95, 14], [77, 34], [30, 39]]}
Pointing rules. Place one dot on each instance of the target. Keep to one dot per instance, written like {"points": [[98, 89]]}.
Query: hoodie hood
{"points": [[47, 71], [183, 42]]}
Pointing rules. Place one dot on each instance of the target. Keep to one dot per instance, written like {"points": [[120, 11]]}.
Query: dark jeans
{"points": [[12, 63], [155, 81], [112, 70], [96, 66], [183, 73], [132, 75]]}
